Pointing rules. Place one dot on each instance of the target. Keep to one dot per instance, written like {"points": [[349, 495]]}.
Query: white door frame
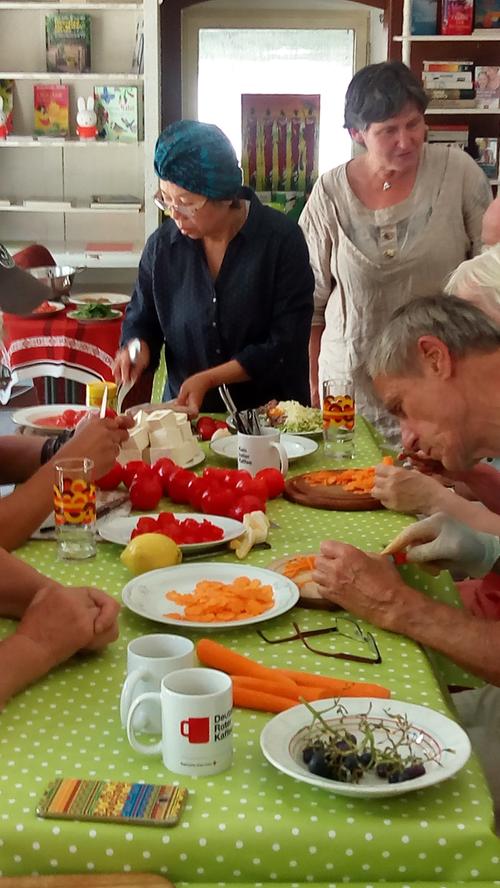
{"points": [[194, 19]]}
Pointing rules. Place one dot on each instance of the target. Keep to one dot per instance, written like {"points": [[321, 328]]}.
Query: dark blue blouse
{"points": [[258, 311]]}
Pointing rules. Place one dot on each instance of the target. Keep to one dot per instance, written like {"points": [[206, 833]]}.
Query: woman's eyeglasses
{"points": [[169, 207], [348, 628]]}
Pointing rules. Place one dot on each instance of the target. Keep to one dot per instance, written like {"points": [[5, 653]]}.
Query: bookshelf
{"points": [[481, 46], [55, 170]]}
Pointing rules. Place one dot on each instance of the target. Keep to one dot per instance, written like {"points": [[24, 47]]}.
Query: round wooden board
{"points": [[309, 590], [322, 496]]}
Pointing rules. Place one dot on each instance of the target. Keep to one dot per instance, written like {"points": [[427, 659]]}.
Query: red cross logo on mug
{"points": [[197, 730]]}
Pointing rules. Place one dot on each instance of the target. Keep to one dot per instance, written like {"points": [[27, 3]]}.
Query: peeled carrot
{"points": [[213, 654], [339, 687], [249, 699], [278, 688]]}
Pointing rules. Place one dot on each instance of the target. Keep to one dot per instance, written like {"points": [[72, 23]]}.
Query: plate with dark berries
{"points": [[365, 747]]}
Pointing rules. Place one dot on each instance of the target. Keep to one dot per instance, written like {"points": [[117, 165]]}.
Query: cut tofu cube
{"points": [[160, 419], [125, 456], [139, 437], [186, 431], [165, 438]]}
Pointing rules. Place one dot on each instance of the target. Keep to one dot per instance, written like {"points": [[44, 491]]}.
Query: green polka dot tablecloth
{"points": [[251, 825]]}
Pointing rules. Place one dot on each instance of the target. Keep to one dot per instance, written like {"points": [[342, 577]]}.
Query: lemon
{"points": [[150, 551]]}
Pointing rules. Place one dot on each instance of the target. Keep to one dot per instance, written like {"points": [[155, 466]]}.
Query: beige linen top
{"points": [[368, 262]]}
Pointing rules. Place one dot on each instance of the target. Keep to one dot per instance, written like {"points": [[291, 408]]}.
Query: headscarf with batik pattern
{"points": [[198, 157]]}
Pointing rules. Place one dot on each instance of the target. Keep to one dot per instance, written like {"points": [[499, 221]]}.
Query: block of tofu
{"points": [[185, 430], [160, 419], [125, 456], [181, 455], [137, 437], [165, 438], [139, 418]]}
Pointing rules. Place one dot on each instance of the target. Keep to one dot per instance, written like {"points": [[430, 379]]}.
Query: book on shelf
{"points": [[51, 105], [457, 17], [47, 204], [444, 133], [452, 103], [115, 202], [137, 66], [454, 66], [487, 84], [67, 42], [7, 94], [119, 113], [441, 80], [486, 155], [424, 17], [450, 94], [486, 14]]}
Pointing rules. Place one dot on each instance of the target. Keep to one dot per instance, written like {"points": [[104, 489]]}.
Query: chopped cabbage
{"points": [[298, 418]]}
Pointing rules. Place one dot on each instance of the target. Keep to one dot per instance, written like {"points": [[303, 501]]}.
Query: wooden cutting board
{"points": [[89, 880], [324, 496]]}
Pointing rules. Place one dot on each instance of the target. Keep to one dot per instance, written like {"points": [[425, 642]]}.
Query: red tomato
{"points": [[164, 468], [220, 424], [247, 503], [195, 489], [205, 427], [145, 491], [133, 468], [212, 473], [178, 486], [251, 486], [145, 525], [274, 481], [111, 479], [232, 476], [110, 413], [216, 500]]}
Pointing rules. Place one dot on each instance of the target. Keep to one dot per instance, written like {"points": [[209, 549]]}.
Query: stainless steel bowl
{"points": [[58, 277]]}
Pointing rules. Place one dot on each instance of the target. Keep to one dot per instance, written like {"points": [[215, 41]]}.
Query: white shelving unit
{"points": [[407, 38], [54, 170]]}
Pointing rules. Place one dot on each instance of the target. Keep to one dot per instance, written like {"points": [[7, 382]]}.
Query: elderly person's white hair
{"points": [[478, 280], [461, 326]]}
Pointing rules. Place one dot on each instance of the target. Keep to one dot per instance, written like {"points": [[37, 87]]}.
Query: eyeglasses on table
{"points": [[342, 627]]}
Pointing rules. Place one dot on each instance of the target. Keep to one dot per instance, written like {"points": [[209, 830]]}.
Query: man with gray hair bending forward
{"points": [[436, 368]]}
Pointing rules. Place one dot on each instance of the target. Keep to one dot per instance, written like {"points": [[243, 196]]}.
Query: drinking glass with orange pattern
{"points": [[339, 416]]}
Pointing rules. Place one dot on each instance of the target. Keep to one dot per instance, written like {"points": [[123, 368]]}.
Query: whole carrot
{"points": [[279, 689], [215, 655], [339, 687], [248, 699]]}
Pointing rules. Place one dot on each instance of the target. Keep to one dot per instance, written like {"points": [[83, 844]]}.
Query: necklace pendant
{"points": [[386, 186]]}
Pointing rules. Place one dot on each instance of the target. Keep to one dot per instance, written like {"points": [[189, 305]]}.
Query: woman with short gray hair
{"points": [[385, 227]]}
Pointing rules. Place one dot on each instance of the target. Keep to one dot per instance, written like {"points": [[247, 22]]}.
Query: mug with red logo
{"points": [[196, 719]]}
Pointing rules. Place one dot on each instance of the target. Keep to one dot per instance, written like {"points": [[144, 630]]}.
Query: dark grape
{"points": [[382, 770], [395, 777], [307, 753], [351, 761], [412, 771], [366, 759], [318, 764]]}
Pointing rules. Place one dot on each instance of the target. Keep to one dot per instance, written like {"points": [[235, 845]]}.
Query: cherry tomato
{"points": [[111, 479], [195, 489], [178, 486], [251, 486], [274, 481], [250, 503], [133, 468], [164, 468], [220, 424], [110, 413], [212, 473], [232, 476], [216, 500], [205, 427], [145, 491]]}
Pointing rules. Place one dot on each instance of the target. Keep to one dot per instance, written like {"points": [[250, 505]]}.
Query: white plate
{"points": [[73, 316], [55, 308], [28, 416], [295, 446], [102, 298], [118, 529], [313, 433], [283, 740], [145, 595]]}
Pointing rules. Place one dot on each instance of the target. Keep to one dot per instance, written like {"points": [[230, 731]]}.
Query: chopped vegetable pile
{"points": [[353, 480], [291, 416], [180, 531], [94, 310], [214, 601]]}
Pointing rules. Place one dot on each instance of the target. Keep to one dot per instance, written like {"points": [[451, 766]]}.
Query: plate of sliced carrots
{"points": [[210, 595]]}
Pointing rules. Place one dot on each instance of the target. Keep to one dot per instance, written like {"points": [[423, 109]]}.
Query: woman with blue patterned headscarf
{"points": [[224, 284]]}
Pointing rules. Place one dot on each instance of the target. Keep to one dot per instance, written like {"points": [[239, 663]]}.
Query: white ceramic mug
{"points": [[196, 716], [256, 452], [149, 659]]}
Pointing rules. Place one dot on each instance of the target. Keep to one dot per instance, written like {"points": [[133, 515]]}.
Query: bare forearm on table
{"points": [[20, 665], [19, 457], [23, 510], [470, 642], [19, 583]]}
